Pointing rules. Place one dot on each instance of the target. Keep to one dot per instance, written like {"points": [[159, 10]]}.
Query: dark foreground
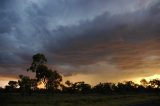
{"points": [[80, 100], [148, 103]]}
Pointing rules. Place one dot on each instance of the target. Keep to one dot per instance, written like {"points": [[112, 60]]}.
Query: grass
{"points": [[76, 100]]}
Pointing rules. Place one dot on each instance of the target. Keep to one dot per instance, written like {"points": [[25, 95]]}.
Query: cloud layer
{"points": [[81, 36]]}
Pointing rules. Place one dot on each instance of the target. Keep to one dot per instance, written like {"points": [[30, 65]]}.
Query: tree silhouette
{"points": [[13, 84], [51, 79], [37, 60], [39, 67], [103, 88], [81, 87], [155, 83], [144, 83], [54, 80], [77, 87], [130, 86], [68, 83], [127, 86], [42, 73], [68, 87], [33, 84], [26, 84]]}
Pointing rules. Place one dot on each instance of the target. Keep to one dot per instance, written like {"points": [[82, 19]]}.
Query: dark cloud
{"points": [[80, 34], [118, 36]]}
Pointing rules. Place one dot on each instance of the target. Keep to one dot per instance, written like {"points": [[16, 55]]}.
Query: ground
{"points": [[80, 100]]}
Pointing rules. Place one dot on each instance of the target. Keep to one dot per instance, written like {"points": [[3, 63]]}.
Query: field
{"points": [[80, 100]]}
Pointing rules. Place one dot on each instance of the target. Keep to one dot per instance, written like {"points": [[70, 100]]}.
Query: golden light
{"points": [[137, 80], [4, 81], [41, 86]]}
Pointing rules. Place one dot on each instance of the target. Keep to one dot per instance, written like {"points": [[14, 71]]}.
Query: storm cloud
{"points": [[81, 36]]}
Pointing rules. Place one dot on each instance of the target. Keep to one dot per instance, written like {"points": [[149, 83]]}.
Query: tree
{"points": [[127, 86], [54, 80], [77, 87], [26, 84], [51, 79], [13, 84], [42, 73], [103, 88], [130, 86], [83, 87], [120, 87], [67, 88], [33, 84], [155, 83], [39, 67], [68, 83], [144, 83], [37, 60]]}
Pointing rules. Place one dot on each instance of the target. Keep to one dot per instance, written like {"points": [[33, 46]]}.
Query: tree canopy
{"points": [[51, 79]]}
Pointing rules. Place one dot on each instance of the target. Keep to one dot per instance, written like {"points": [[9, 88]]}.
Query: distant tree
{"points": [[81, 87], [144, 83], [126, 87], [103, 88], [141, 89], [68, 83], [120, 87], [13, 84], [11, 87], [67, 88], [130, 86], [77, 87], [26, 84], [155, 83]]}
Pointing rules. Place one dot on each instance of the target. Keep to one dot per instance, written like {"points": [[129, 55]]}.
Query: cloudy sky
{"points": [[91, 40]]}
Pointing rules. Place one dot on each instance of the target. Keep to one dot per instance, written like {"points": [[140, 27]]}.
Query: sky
{"points": [[90, 40]]}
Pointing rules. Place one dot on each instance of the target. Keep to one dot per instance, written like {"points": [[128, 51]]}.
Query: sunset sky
{"points": [[90, 40]]}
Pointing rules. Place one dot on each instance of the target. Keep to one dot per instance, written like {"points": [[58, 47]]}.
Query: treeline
{"points": [[27, 86], [52, 82]]}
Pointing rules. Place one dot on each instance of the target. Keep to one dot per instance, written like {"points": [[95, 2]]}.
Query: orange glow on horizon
{"points": [[156, 76], [4, 80], [90, 79]]}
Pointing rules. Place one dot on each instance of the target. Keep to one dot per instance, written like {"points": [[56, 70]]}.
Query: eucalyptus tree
{"points": [[51, 79]]}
